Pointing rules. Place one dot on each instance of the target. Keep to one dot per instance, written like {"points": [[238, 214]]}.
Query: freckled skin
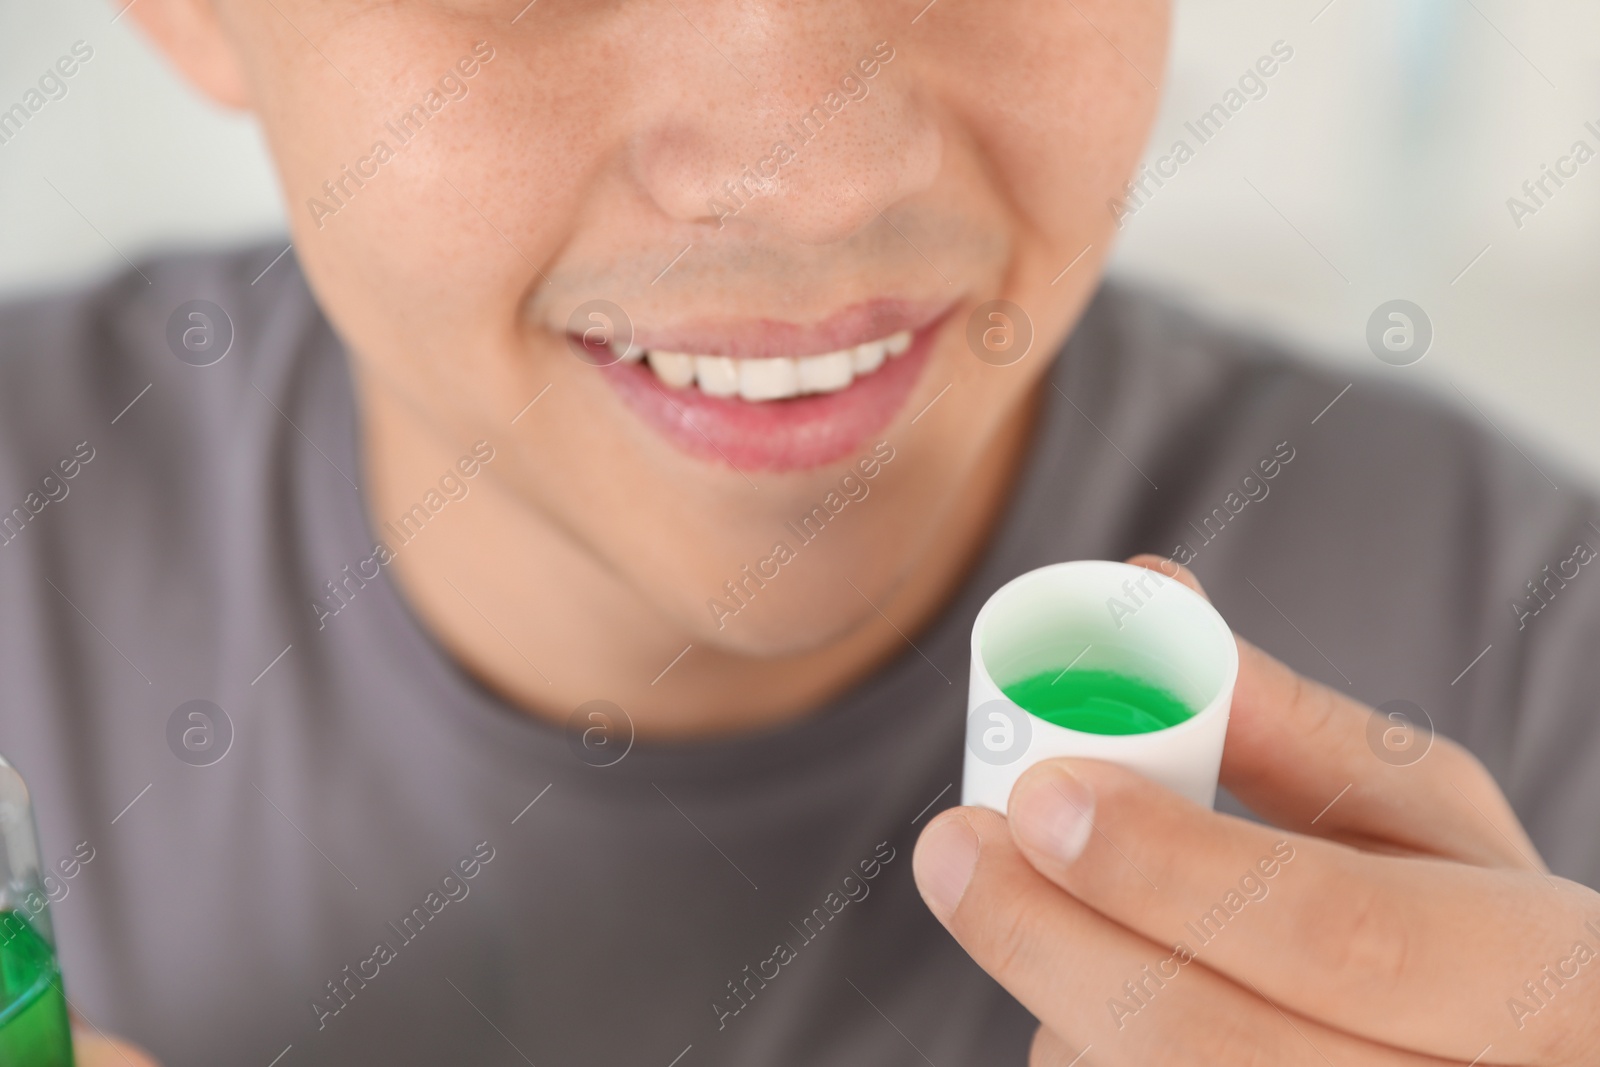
{"points": [[577, 165]]}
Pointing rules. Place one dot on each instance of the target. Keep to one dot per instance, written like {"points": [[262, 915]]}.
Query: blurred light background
{"points": [[1376, 167]]}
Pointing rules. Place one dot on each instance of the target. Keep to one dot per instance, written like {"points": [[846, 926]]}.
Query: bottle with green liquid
{"points": [[34, 1029]]}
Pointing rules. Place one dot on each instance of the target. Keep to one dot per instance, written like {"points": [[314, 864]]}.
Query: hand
{"points": [[1401, 916], [90, 1049]]}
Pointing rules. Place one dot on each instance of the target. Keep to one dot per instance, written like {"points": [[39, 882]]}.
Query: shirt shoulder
{"points": [[79, 364], [1204, 400]]}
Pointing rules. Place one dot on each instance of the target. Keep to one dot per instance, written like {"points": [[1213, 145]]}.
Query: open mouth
{"points": [[765, 396]]}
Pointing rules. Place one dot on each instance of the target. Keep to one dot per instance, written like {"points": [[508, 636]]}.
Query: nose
{"points": [[771, 124]]}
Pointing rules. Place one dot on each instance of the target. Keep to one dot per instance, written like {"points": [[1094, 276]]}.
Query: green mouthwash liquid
{"points": [[34, 1031], [1098, 702]]}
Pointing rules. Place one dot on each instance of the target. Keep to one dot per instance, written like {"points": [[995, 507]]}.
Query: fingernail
{"points": [[1053, 813], [943, 863]]}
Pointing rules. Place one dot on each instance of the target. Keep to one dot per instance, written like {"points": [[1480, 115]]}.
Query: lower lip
{"points": [[776, 435]]}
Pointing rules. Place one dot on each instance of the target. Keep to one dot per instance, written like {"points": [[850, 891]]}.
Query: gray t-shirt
{"points": [[360, 878]]}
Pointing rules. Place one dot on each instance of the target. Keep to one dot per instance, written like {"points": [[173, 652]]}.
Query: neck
{"points": [[543, 623]]}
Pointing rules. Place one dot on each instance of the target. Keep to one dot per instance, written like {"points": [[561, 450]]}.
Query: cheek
{"points": [[1062, 116], [464, 212], [1059, 122]]}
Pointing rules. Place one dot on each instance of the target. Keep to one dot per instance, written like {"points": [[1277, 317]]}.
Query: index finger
{"points": [[1094, 981], [1312, 759], [1303, 756], [1365, 943]]}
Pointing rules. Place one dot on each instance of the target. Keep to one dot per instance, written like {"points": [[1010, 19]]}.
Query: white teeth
{"points": [[675, 369], [631, 354], [768, 379], [716, 375], [868, 357], [825, 374]]}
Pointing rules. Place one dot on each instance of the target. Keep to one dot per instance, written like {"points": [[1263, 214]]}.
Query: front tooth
{"points": [[825, 374], [631, 354], [768, 379], [868, 357], [675, 369], [898, 343], [717, 375]]}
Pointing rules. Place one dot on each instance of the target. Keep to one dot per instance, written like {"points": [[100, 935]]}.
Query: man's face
{"points": [[770, 182]]}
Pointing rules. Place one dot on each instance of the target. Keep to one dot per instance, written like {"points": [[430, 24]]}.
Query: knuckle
{"points": [[1573, 1035], [1235, 1038], [1356, 938], [1317, 703], [1007, 943]]}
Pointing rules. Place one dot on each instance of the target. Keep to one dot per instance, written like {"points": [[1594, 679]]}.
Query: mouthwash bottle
{"points": [[34, 1031]]}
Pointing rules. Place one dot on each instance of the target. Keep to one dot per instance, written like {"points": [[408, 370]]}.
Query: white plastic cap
{"points": [[1098, 615]]}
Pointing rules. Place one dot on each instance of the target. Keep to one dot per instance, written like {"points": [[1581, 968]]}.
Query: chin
{"points": [[778, 634]]}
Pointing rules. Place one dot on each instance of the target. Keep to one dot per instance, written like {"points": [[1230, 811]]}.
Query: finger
{"points": [[90, 1049], [1168, 568], [1307, 758], [1365, 943], [1312, 759], [1096, 983], [1297, 751], [1048, 1050]]}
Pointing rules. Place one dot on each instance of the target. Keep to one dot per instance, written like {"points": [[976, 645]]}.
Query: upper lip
{"points": [[858, 324]]}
